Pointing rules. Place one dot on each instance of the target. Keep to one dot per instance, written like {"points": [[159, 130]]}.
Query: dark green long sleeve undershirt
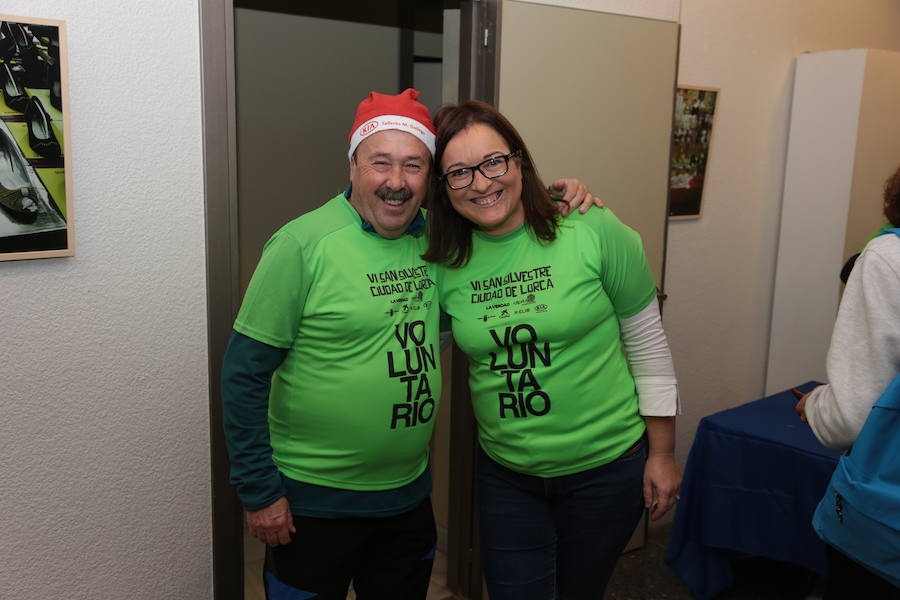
{"points": [[246, 378]]}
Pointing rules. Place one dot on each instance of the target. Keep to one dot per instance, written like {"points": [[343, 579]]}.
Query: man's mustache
{"points": [[385, 193]]}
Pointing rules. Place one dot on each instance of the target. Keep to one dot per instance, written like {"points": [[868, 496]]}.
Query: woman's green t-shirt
{"points": [[550, 383]]}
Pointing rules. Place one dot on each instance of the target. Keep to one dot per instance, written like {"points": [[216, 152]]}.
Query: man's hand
{"points": [[662, 482], [574, 195], [273, 524]]}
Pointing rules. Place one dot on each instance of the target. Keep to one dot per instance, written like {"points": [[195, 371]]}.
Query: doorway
{"points": [[295, 74], [300, 71]]}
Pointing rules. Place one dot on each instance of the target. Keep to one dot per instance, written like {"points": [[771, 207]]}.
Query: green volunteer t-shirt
{"points": [[353, 404], [550, 384]]}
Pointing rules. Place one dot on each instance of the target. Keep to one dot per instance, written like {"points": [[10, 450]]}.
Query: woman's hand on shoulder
{"points": [[575, 194]]}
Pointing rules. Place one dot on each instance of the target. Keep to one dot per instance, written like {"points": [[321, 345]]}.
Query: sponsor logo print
{"points": [[368, 128], [541, 308], [394, 309], [528, 300]]}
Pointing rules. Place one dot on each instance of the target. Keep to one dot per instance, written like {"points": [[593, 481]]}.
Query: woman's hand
{"points": [[662, 482], [574, 195], [800, 409], [662, 475]]}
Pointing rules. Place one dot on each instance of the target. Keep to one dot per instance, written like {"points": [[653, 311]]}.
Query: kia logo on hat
{"points": [[368, 128]]}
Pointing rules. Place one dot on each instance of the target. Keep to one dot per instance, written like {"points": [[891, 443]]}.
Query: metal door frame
{"points": [[479, 73], [222, 276]]}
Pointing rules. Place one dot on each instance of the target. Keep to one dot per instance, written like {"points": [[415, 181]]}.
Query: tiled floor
{"points": [[640, 575], [643, 575], [254, 555], [437, 590]]}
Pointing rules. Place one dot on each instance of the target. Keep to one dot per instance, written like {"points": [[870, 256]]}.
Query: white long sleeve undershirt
{"points": [[651, 363]]}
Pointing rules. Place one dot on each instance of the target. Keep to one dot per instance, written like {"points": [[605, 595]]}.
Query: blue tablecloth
{"points": [[752, 481]]}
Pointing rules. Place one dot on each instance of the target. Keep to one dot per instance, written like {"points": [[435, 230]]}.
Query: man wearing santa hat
{"points": [[331, 380]]}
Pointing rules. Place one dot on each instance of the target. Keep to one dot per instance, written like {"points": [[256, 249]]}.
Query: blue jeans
{"points": [[557, 538]]}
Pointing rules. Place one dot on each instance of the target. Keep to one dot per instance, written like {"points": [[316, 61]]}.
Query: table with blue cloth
{"points": [[752, 481]]}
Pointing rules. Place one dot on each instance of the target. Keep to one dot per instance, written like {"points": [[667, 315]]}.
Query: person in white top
{"points": [[864, 355], [863, 359]]}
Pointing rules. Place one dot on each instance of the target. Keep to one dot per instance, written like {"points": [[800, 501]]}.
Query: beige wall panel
{"points": [[606, 120], [299, 80], [877, 146]]}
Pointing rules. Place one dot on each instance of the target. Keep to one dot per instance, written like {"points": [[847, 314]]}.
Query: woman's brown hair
{"points": [[892, 198], [450, 234]]}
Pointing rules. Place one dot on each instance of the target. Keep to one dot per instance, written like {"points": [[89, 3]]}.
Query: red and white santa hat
{"points": [[383, 111]]}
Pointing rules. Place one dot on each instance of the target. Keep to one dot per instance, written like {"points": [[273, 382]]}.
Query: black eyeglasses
{"points": [[495, 166]]}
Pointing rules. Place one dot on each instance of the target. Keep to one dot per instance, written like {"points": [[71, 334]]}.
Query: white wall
{"points": [[104, 449], [720, 269]]}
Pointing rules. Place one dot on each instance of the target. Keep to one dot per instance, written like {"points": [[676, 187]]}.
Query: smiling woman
{"points": [[577, 437], [474, 133], [490, 193], [492, 200]]}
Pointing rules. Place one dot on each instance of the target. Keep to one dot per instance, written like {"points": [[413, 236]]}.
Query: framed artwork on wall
{"points": [[692, 132], [35, 178]]}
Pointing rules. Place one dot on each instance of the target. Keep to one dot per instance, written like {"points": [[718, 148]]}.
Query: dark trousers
{"points": [[848, 580], [559, 537], [389, 557]]}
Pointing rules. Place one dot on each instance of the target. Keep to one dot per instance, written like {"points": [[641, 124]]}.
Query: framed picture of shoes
{"points": [[35, 182]]}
